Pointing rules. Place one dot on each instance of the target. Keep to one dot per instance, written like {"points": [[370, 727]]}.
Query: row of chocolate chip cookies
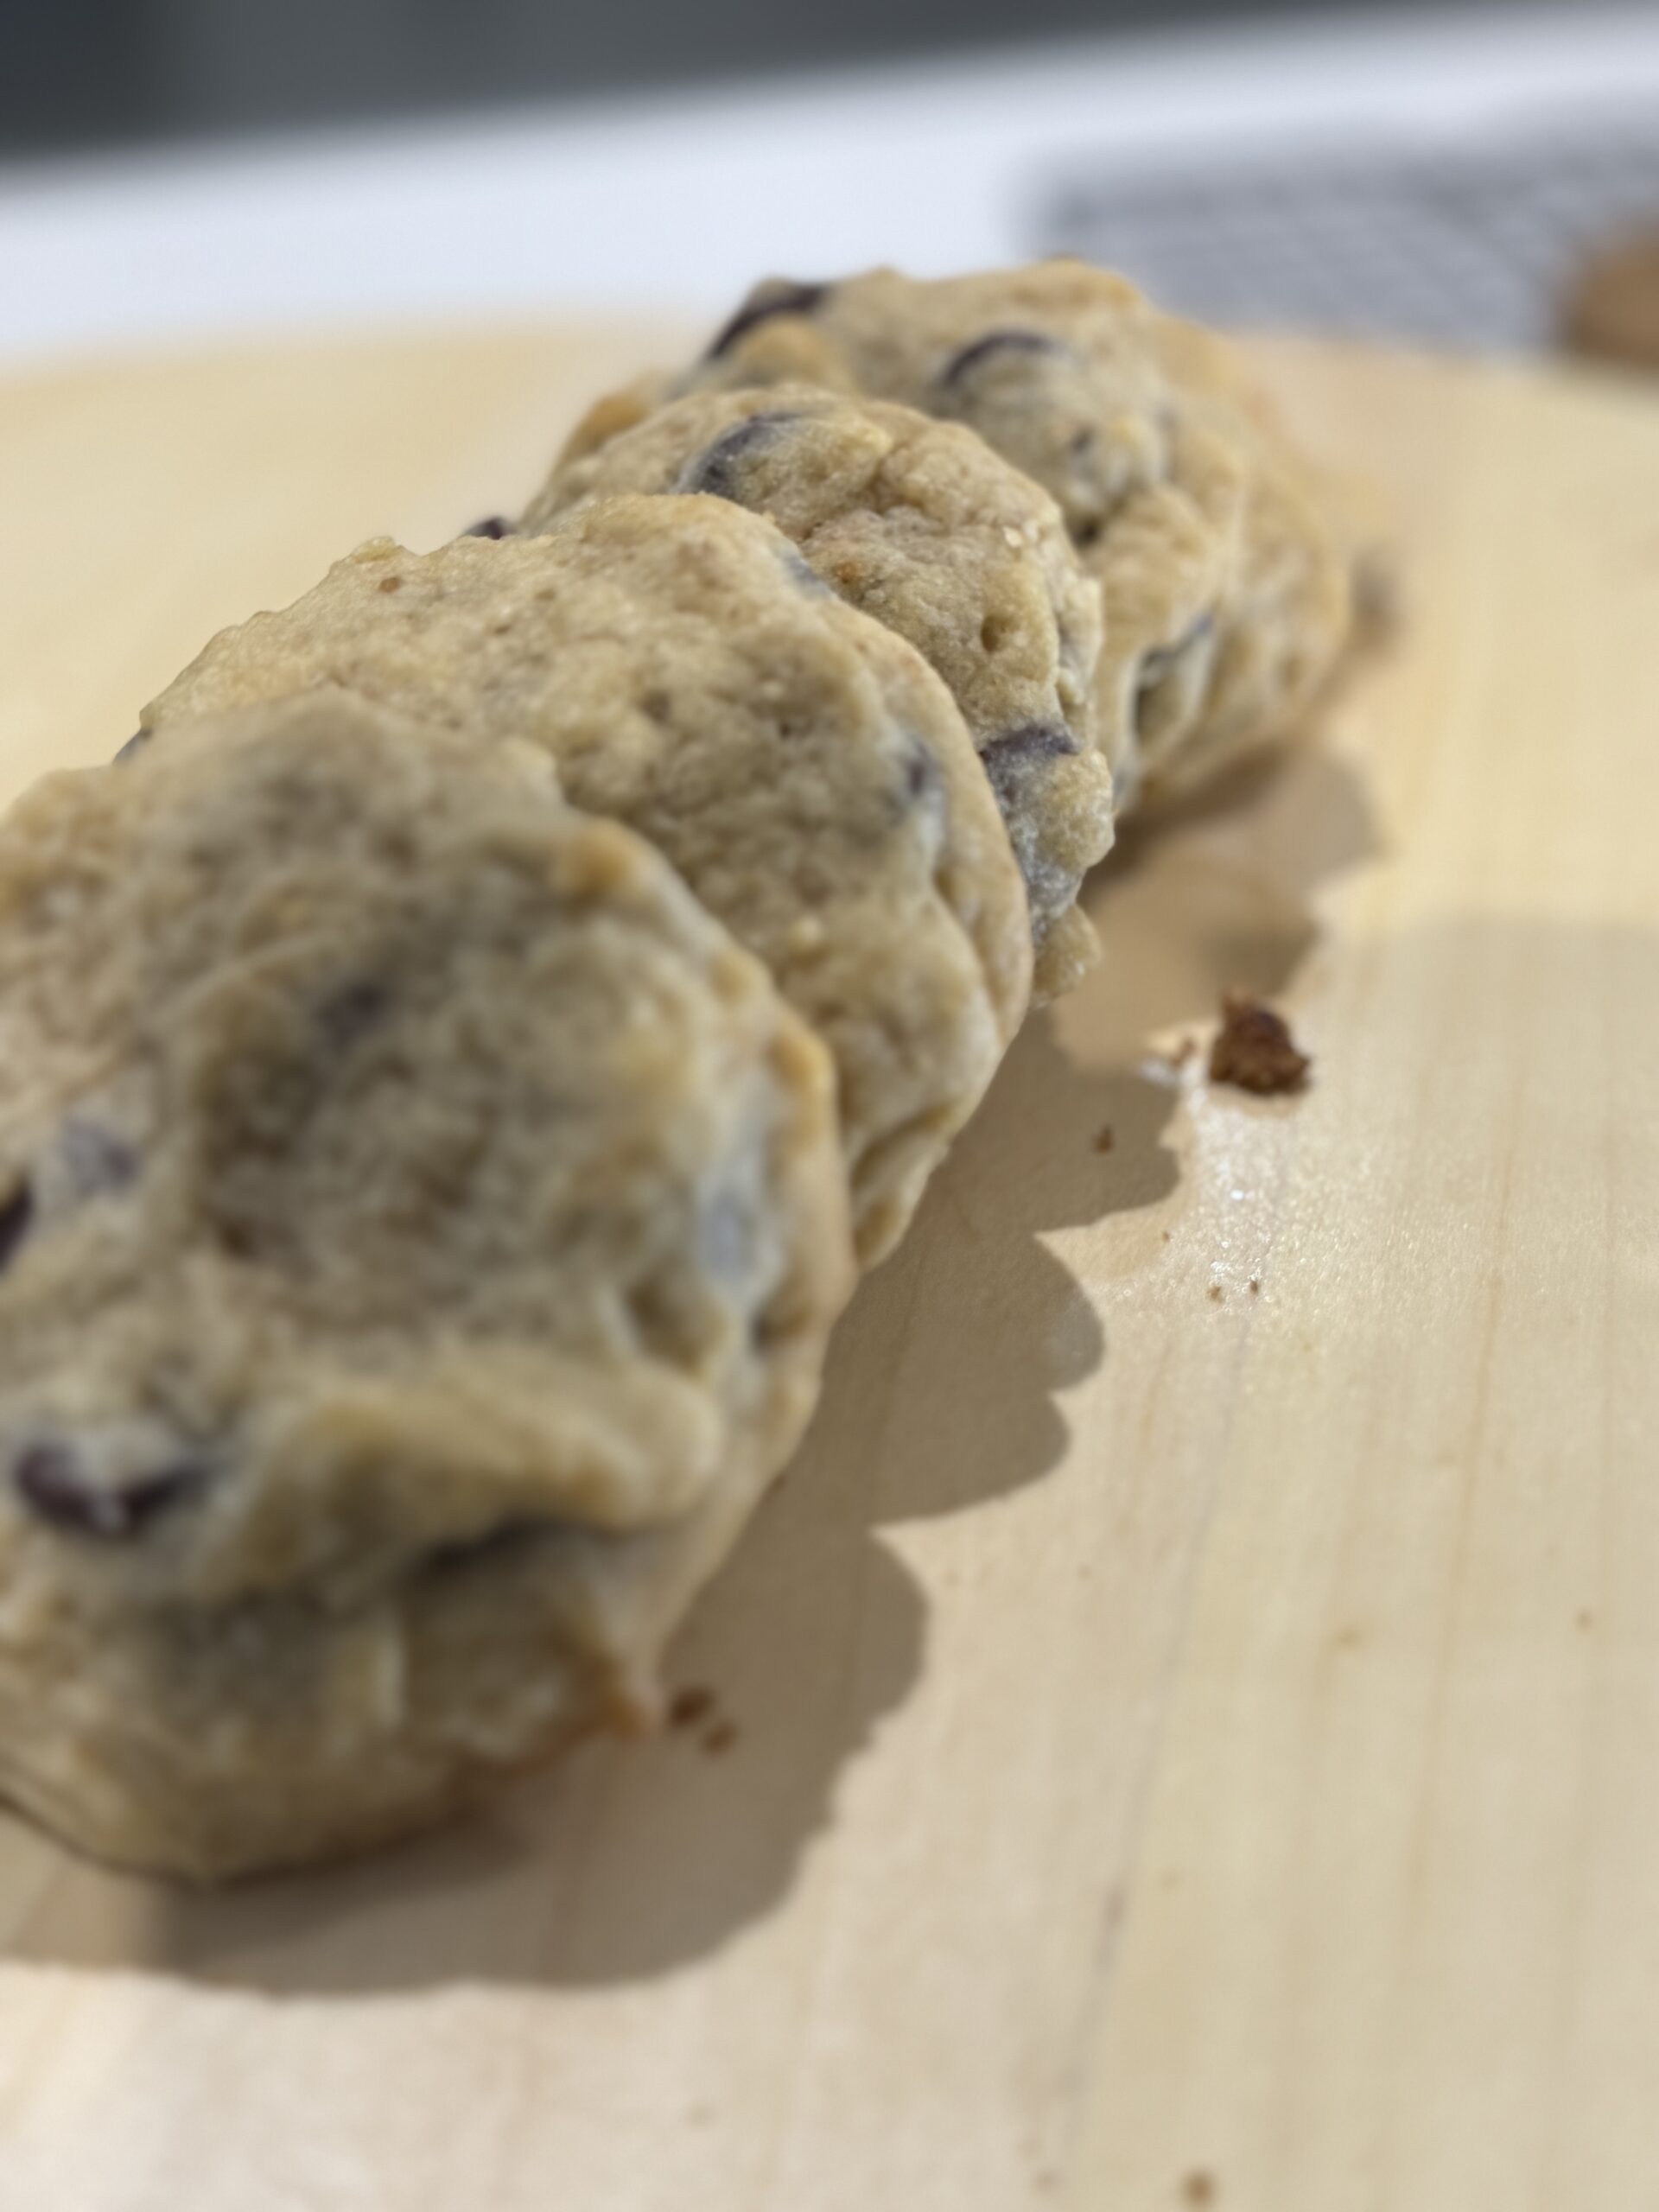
{"points": [[459, 1060]]}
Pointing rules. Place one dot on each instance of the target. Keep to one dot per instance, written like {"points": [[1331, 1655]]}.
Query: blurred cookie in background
{"points": [[1610, 310]]}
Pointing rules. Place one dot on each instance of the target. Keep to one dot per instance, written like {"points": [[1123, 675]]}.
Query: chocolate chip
{"points": [[996, 341], [497, 1543], [98, 1161], [715, 471], [1005, 756], [805, 576], [922, 778], [1157, 665], [491, 526], [135, 743], [355, 1009], [52, 1482], [17, 1212], [778, 295]]}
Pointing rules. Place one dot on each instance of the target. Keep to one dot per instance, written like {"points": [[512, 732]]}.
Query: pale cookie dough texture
{"points": [[1225, 587], [920, 524], [420, 1227], [802, 767]]}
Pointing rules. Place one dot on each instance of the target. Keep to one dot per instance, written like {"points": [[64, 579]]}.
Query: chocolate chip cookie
{"points": [[801, 767], [1204, 532], [420, 1224], [920, 524]]}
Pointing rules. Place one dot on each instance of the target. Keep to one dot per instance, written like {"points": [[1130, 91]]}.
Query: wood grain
{"points": [[1197, 1696]]}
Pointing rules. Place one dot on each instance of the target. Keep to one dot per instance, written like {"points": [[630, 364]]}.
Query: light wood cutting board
{"points": [[1197, 1698]]}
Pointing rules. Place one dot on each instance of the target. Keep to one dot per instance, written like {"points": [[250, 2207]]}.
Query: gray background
{"points": [[86, 73]]}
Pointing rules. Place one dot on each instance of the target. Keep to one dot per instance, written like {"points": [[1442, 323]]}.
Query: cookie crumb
{"points": [[1253, 1049], [1255, 1286], [689, 1706], [1217, 1293], [1166, 1236], [720, 1738], [1199, 2188], [1105, 1139]]}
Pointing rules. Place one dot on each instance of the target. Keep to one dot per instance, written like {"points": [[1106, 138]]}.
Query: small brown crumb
{"points": [[1254, 1050], [1255, 1286], [392, 583], [720, 1738], [689, 1706], [1105, 1139], [1199, 2188], [1166, 1236], [1217, 1293]]}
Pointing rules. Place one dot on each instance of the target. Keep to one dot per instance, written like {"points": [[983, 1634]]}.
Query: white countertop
{"points": [[678, 201]]}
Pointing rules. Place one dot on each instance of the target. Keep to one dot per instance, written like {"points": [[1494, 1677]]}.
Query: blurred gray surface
{"points": [[78, 72], [1468, 244]]}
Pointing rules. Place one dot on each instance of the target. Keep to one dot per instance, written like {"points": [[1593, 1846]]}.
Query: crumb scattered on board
{"points": [[1255, 1286], [699, 1709], [1178, 1055], [1199, 2188], [1253, 1049], [1105, 1139], [688, 1706], [1217, 1293]]}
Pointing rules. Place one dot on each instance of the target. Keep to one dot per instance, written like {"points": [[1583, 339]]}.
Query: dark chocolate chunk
{"points": [[17, 1212], [98, 1159], [922, 778], [996, 341], [805, 576], [1005, 756], [715, 470], [353, 1011], [491, 526], [497, 1543], [52, 1482], [780, 295], [135, 743], [1157, 664]]}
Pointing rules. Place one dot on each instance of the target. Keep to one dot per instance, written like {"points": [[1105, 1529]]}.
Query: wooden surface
{"points": [[1196, 1745]]}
